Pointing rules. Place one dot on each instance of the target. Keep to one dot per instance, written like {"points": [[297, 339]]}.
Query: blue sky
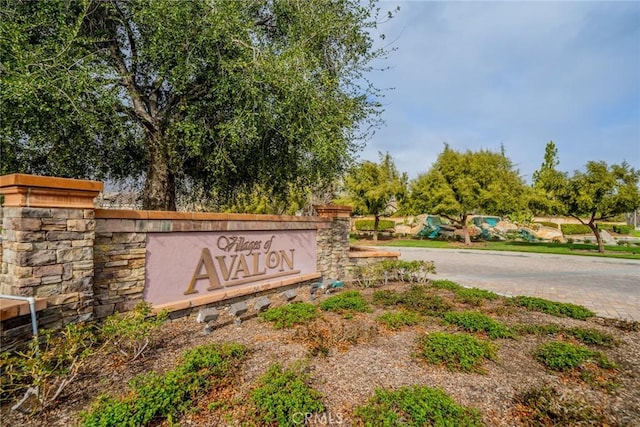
{"points": [[479, 75]]}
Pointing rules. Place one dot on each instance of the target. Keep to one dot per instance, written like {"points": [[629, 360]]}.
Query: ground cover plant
{"points": [[354, 364], [345, 302], [415, 406], [552, 307], [285, 316], [458, 352]]}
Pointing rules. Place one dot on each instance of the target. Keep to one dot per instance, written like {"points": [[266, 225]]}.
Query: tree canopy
{"points": [[461, 184], [371, 187], [207, 97]]}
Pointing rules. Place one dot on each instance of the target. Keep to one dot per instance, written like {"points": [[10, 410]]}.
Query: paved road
{"points": [[608, 286]]}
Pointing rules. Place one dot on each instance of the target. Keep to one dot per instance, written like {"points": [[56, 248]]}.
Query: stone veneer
{"points": [[86, 263]]}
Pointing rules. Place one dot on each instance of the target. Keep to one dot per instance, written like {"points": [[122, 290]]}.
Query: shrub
{"points": [[153, 396], [561, 356], [131, 333], [395, 320], [547, 224], [368, 224], [458, 352], [593, 337], [569, 229], [474, 296], [415, 406], [345, 302], [48, 365], [559, 309], [384, 271], [623, 229], [283, 395], [474, 321], [285, 316], [445, 284]]}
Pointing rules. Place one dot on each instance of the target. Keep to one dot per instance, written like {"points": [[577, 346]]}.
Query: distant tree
{"points": [[371, 187], [547, 182], [211, 97], [462, 184], [600, 193]]}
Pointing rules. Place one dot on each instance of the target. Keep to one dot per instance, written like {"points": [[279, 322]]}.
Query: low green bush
{"points": [[475, 296], [395, 320], [283, 396], [623, 229], [458, 352], [562, 356], [368, 224], [415, 299], [153, 396], [560, 309], [286, 316], [347, 301], [593, 337], [415, 406], [445, 284], [570, 229], [474, 321]]}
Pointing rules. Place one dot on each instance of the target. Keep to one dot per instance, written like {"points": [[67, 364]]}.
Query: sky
{"points": [[482, 75]]}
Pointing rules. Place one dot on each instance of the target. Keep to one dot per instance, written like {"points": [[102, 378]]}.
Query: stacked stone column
{"points": [[333, 242], [48, 235]]}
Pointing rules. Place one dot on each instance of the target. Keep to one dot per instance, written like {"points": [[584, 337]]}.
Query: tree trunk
{"points": [[465, 231], [376, 222], [160, 186], [594, 228]]}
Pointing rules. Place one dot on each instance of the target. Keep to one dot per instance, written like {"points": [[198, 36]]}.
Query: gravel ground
{"points": [[364, 355]]}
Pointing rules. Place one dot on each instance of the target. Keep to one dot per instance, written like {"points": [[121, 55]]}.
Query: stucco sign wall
{"points": [[184, 266]]}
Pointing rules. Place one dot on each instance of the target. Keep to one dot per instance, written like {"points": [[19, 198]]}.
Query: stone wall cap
{"points": [[25, 180]]}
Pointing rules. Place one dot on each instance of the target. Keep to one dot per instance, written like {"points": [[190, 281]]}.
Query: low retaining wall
{"points": [[83, 263]]}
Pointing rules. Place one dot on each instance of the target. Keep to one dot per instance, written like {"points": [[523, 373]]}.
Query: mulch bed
{"points": [[363, 355]]}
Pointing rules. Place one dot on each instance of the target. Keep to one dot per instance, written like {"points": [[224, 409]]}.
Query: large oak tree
{"points": [[207, 97]]}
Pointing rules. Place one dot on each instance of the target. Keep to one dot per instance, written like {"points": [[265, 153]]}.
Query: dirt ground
{"points": [[364, 355]]}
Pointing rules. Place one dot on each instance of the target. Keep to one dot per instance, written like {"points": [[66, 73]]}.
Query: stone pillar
{"points": [[48, 234], [333, 243]]}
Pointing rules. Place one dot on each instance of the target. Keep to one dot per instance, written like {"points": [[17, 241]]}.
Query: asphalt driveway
{"points": [[610, 287]]}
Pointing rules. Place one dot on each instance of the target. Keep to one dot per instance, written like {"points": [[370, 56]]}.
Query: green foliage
{"points": [[213, 99], [131, 333], [153, 396], [538, 329], [458, 352], [561, 356], [474, 321], [545, 406], [415, 406], [395, 320], [283, 395], [286, 316], [560, 309], [50, 363], [370, 188], [459, 184], [622, 229], [347, 301], [571, 229], [475, 296], [446, 284], [415, 299], [592, 337], [368, 224]]}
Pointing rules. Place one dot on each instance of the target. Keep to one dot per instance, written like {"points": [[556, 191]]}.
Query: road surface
{"points": [[608, 286]]}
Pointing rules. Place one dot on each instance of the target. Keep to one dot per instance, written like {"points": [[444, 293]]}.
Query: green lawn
{"points": [[625, 252]]}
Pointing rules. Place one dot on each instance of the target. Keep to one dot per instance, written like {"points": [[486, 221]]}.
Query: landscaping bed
{"points": [[405, 351]]}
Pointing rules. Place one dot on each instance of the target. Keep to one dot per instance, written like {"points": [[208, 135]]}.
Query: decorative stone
{"points": [[207, 315], [288, 295], [238, 309], [262, 304]]}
